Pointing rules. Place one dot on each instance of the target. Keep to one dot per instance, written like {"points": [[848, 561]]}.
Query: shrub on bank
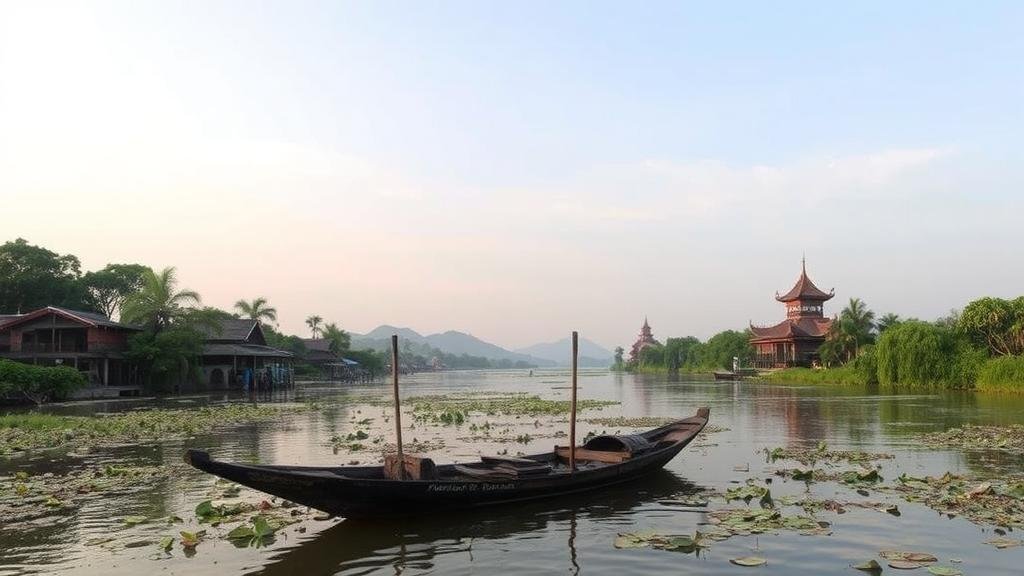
{"points": [[917, 354], [843, 375], [39, 384], [1005, 373]]}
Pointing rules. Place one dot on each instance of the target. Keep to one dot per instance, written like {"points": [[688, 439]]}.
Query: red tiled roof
{"points": [[804, 290], [793, 328]]}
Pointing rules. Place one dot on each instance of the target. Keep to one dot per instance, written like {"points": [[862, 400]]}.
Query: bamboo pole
{"points": [[398, 407], [572, 419]]}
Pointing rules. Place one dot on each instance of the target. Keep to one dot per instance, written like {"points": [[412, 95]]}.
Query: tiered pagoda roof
{"points": [[804, 289], [793, 329]]}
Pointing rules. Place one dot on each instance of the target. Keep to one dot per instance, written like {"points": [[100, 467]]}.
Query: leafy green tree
{"points": [[314, 325], [618, 364], [720, 349], [258, 309], [919, 354], [652, 356], [168, 357], [995, 323], [857, 322], [682, 353], [887, 321], [32, 277], [293, 344], [111, 286], [159, 303], [338, 338]]}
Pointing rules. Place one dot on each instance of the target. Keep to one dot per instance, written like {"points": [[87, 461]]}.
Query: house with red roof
{"points": [[795, 340]]}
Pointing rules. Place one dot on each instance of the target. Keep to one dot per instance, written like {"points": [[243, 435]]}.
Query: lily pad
{"points": [[749, 561], [945, 571], [904, 565], [1002, 543], [869, 566]]}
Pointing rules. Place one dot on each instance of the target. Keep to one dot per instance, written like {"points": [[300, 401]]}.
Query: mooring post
{"points": [[398, 406], [572, 418]]}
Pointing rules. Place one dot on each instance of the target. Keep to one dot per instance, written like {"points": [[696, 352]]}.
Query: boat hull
{"points": [[352, 492]]}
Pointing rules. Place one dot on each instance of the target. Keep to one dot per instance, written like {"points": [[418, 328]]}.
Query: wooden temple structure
{"points": [[645, 339], [795, 340]]}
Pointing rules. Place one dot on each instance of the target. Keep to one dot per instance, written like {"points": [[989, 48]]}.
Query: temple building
{"points": [[645, 339], [795, 340]]}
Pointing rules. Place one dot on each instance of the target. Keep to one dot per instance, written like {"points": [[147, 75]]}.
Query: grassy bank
{"points": [[845, 376], [31, 431], [1003, 374]]}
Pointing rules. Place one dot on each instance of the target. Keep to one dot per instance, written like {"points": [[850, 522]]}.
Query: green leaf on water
{"points": [[166, 543], [799, 474], [944, 571], [240, 532], [189, 540], [205, 509], [261, 528], [749, 561], [134, 520], [869, 566]]}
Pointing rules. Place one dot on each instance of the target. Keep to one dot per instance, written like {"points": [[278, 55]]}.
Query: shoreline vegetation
{"points": [[980, 348]]}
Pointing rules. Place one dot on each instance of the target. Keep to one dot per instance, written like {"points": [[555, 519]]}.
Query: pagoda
{"points": [[645, 339], [795, 340]]}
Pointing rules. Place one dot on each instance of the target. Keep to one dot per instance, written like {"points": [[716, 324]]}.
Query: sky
{"points": [[519, 170]]}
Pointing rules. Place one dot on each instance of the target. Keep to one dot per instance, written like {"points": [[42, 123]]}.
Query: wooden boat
{"points": [[726, 375], [422, 488]]}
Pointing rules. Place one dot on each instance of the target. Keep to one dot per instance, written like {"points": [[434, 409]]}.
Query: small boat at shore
{"points": [[422, 488], [407, 485]]}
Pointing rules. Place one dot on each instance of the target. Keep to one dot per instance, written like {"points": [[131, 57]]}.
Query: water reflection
{"points": [[365, 547]]}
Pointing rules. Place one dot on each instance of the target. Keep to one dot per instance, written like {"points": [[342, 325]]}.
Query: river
{"points": [[570, 536]]}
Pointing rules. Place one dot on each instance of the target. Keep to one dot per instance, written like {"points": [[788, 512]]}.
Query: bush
{"points": [[844, 375], [916, 354], [38, 383], [1005, 373]]}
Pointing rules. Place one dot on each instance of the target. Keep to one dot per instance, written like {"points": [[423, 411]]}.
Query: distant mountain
{"points": [[384, 332], [591, 353], [452, 342]]}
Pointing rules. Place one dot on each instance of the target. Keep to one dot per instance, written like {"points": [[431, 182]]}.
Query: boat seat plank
{"points": [[593, 455]]}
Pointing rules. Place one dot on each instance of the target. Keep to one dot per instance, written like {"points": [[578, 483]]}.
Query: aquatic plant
{"points": [[30, 431]]}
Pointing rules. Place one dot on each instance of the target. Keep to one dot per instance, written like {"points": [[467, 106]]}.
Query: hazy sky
{"points": [[518, 170]]}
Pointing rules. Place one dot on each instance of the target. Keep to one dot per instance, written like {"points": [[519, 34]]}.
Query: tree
{"points": [[858, 322], [338, 338], [159, 303], [314, 325], [995, 323], [618, 364], [887, 321], [32, 277], [257, 310], [720, 349], [682, 353], [110, 287], [922, 354]]}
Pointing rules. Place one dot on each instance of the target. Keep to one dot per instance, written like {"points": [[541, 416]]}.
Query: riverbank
{"points": [[1003, 375]]}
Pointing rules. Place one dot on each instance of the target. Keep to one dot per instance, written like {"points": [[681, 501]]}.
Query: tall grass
{"points": [[1002, 374]]}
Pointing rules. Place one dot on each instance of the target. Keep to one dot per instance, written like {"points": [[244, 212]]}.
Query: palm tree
{"points": [[314, 325], [339, 339], [857, 322], [887, 321], [159, 303], [257, 310]]}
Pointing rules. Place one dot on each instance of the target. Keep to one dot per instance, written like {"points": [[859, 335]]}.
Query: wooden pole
{"points": [[398, 408], [572, 419]]}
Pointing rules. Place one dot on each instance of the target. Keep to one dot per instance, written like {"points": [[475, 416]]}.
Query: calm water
{"points": [[572, 536]]}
